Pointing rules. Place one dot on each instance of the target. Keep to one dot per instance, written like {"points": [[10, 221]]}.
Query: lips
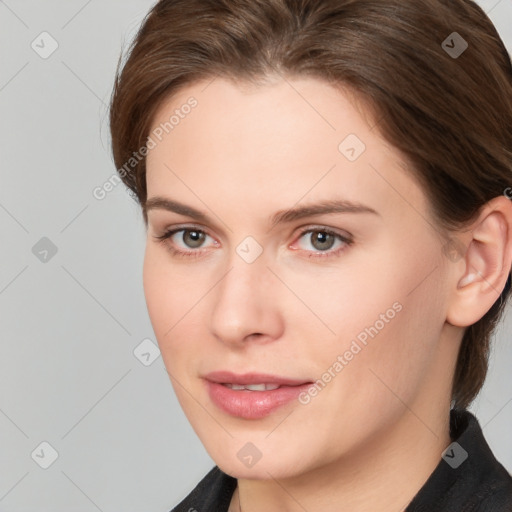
{"points": [[252, 395]]}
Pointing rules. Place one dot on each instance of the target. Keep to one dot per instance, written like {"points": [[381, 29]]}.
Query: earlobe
{"points": [[488, 261]]}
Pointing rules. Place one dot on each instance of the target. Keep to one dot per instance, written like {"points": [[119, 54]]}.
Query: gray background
{"points": [[70, 324]]}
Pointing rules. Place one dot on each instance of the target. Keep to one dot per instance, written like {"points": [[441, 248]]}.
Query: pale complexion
{"points": [[370, 439]]}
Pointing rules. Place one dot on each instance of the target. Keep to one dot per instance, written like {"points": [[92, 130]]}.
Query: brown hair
{"points": [[449, 114]]}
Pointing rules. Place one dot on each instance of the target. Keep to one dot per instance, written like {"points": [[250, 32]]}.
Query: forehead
{"points": [[286, 141]]}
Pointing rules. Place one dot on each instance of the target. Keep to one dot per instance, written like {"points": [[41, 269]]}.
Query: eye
{"points": [[191, 237], [323, 239]]}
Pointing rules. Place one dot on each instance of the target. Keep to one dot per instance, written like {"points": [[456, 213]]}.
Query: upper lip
{"points": [[225, 377]]}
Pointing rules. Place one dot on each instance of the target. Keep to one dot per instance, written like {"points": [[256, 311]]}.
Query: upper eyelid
{"points": [[198, 227]]}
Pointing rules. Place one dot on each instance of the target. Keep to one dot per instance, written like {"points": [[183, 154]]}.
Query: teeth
{"points": [[235, 386], [253, 387]]}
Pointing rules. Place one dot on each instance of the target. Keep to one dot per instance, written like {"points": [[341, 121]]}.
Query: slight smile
{"points": [[252, 396]]}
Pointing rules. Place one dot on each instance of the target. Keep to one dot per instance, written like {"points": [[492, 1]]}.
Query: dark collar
{"points": [[468, 477]]}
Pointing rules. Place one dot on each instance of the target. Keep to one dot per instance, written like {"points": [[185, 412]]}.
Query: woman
{"points": [[329, 243]]}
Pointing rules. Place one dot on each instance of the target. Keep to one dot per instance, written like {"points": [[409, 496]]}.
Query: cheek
{"points": [[392, 337], [166, 309], [164, 298], [386, 313], [155, 284], [169, 290], [173, 299]]}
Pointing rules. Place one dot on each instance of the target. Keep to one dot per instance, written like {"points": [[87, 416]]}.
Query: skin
{"points": [[370, 439]]}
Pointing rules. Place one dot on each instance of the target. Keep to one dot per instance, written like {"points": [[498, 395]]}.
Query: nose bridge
{"points": [[247, 269], [242, 300]]}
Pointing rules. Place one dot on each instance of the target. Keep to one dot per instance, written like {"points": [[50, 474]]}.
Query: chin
{"points": [[243, 460], [260, 471]]}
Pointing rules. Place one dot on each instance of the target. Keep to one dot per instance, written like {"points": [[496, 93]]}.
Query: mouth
{"points": [[253, 379], [251, 387], [252, 395]]}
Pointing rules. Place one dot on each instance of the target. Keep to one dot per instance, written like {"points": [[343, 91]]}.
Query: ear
{"points": [[482, 273]]}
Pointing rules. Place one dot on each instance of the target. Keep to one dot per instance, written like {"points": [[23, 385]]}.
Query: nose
{"points": [[245, 304]]}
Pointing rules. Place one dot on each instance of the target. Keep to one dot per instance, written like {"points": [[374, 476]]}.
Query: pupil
{"points": [[321, 237], [197, 238]]}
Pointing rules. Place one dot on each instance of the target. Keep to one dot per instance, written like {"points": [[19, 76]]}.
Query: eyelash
{"points": [[197, 253]]}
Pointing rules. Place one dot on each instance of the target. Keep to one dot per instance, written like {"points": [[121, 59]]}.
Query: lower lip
{"points": [[252, 405]]}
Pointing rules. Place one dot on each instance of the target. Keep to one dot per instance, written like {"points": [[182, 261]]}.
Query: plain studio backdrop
{"points": [[88, 418]]}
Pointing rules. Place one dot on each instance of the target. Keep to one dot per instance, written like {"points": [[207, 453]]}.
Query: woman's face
{"points": [[342, 306]]}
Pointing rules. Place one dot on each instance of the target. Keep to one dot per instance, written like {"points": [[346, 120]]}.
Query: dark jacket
{"points": [[467, 479]]}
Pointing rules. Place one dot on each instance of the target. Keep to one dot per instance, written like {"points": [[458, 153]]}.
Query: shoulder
{"points": [[212, 493], [495, 495], [468, 478], [490, 482]]}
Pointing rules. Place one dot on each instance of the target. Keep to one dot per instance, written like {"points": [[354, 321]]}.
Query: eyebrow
{"points": [[280, 217]]}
